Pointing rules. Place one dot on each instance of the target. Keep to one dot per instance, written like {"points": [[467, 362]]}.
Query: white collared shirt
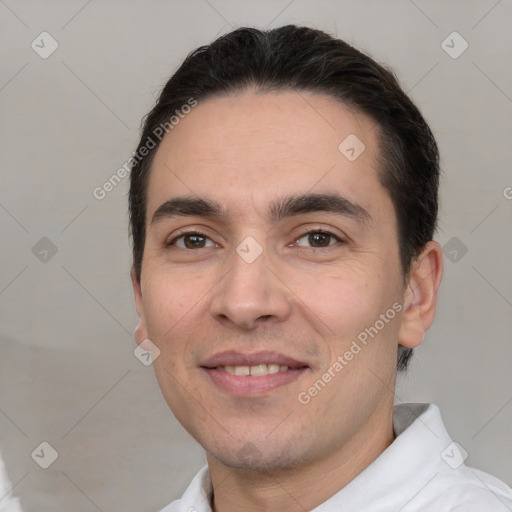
{"points": [[422, 470], [7, 502]]}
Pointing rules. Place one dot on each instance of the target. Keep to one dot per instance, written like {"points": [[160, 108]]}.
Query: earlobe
{"points": [[421, 295], [141, 331]]}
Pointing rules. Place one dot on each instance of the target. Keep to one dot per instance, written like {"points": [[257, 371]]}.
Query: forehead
{"points": [[246, 149]]}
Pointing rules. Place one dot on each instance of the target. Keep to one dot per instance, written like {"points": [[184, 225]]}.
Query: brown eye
{"points": [[191, 240], [319, 239]]}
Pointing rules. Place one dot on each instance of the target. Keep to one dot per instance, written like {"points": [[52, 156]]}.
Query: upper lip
{"points": [[236, 358]]}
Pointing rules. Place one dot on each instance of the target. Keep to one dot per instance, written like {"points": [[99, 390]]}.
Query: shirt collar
{"points": [[418, 429]]}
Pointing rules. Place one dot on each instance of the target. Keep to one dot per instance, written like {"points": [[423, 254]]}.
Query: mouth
{"points": [[252, 374], [257, 370]]}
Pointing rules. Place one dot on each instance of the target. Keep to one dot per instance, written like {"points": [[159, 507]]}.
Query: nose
{"points": [[250, 293]]}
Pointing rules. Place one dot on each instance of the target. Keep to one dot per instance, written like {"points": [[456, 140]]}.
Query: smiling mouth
{"points": [[252, 374], [258, 370]]}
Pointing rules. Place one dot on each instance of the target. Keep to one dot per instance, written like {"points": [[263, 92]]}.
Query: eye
{"points": [[191, 240], [319, 239]]}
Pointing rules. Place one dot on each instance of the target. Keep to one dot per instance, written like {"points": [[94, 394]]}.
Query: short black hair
{"points": [[306, 59]]}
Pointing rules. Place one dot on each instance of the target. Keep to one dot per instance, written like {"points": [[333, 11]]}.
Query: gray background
{"points": [[68, 374]]}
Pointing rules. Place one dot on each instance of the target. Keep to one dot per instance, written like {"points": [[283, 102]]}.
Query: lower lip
{"points": [[252, 386]]}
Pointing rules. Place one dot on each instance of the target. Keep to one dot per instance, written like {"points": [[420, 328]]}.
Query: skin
{"points": [[299, 298]]}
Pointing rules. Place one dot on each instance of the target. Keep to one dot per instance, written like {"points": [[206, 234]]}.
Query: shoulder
{"points": [[196, 496], [439, 480], [175, 506], [7, 502], [179, 506], [467, 490]]}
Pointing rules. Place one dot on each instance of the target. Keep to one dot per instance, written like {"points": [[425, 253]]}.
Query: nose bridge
{"points": [[249, 290]]}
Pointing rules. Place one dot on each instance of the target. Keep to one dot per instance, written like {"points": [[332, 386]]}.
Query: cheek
{"points": [[169, 301], [341, 297], [346, 305]]}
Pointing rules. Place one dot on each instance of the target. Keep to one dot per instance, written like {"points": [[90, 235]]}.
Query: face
{"points": [[287, 264]]}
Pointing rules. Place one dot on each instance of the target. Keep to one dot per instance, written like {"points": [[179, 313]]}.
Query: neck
{"points": [[303, 487]]}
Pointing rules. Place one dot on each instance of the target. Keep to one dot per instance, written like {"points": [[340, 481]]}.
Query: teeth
{"points": [[259, 370], [242, 370], [272, 368]]}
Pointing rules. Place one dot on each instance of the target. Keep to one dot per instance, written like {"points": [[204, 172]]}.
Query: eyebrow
{"points": [[279, 209]]}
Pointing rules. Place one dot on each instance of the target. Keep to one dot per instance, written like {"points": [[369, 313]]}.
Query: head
{"points": [[283, 199]]}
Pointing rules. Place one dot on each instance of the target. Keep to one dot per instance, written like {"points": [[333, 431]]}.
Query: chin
{"points": [[258, 457]]}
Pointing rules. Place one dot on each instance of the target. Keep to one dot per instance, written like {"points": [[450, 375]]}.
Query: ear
{"points": [[421, 295], [141, 331]]}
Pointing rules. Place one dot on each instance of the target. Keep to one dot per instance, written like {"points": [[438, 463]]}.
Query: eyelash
{"points": [[314, 231], [323, 232]]}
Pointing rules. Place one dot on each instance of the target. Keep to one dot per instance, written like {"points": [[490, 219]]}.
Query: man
{"points": [[283, 203]]}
